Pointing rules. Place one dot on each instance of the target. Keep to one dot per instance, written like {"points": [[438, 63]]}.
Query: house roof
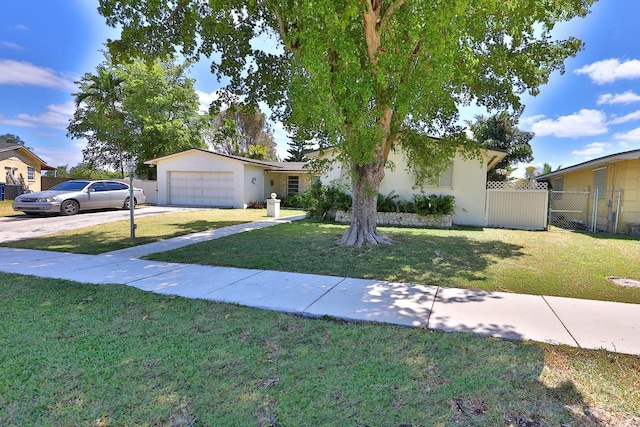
{"points": [[272, 166], [495, 154], [593, 164], [24, 150]]}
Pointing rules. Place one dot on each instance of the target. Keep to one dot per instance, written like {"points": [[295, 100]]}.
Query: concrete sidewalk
{"points": [[575, 322]]}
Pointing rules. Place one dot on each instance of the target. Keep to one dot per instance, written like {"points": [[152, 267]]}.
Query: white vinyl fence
{"points": [[522, 206], [150, 189]]}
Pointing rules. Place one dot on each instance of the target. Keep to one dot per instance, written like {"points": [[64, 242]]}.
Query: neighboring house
{"points": [[465, 179], [20, 167], [611, 188], [204, 178]]}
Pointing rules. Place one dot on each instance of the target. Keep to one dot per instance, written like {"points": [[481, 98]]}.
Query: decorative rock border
{"points": [[401, 218]]}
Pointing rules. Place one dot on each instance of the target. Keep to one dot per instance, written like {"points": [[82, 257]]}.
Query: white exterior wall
{"points": [[468, 186], [254, 184], [198, 161]]}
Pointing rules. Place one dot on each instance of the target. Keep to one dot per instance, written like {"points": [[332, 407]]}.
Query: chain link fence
{"points": [[584, 210]]}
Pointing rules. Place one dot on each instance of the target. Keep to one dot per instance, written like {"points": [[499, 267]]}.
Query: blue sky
{"points": [[591, 111]]}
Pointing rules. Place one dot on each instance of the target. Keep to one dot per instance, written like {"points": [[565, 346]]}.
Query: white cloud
{"points": [[71, 156], [10, 45], [619, 98], [610, 70], [24, 73], [592, 149], [632, 135], [583, 123], [206, 98], [57, 117], [626, 118], [528, 121], [21, 27]]}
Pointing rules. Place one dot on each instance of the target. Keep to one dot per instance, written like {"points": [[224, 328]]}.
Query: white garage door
{"points": [[201, 189]]}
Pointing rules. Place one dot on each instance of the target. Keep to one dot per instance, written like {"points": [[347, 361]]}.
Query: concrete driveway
{"points": [[24, 226]]}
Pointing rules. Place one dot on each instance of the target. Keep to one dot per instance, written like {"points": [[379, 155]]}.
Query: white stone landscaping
{"points": [[402, 218]]}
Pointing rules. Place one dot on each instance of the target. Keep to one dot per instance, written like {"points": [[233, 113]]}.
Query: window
{"points": [[98, 186], [293, 184], [31, 175], [115, 185], [445, 179], [558, 184], [600, 182]]}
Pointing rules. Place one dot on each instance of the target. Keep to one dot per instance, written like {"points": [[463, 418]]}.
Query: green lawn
{"points": [[75, 354], [6, 209], [558, 263], [116, 235]]}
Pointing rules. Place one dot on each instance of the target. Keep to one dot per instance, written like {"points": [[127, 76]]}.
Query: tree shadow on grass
{"points": [[101, 241], [441, 261]]}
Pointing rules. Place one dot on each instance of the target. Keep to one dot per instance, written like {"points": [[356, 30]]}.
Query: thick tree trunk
{"points": [[368, 176], [365, 185]]}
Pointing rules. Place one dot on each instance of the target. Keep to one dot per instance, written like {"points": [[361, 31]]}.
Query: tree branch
{"points": [[388, 12], [174, 12]]}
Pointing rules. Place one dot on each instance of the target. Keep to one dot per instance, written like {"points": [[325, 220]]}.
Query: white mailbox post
{"points": [[273, 206]]}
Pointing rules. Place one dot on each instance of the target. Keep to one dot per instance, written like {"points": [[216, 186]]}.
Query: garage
{"points": [[213, 189], [197, 177]]}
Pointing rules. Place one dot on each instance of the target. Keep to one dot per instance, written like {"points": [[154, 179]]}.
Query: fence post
{"points": [[594, 219], [615, 229]]}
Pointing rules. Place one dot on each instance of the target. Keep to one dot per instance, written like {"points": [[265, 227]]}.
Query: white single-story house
{"points": [[199, 177], [465, 179]]}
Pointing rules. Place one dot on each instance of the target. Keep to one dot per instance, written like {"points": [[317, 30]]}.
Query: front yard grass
{"points": [[557, 263], [6, 209], [115, 235], [75, 354]]}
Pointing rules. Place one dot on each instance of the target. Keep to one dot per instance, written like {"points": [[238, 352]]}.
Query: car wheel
{"points": [[69, 207], [126, 203]]}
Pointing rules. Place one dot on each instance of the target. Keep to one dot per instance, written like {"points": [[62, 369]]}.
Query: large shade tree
{"points": [[242, 130], [365, 76]]}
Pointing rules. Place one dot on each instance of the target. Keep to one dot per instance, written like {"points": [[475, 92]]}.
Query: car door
{"points": [[97, 196], [118, 192]]}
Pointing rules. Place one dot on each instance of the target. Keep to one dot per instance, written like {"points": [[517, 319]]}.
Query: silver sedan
{"points": [[71, 197]]}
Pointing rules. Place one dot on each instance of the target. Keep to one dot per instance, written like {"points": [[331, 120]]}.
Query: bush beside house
{"points": [[332, 204]]}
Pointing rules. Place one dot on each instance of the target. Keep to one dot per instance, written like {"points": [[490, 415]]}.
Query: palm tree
{"points": [[500, 131], [546, 168], [100, 98]]}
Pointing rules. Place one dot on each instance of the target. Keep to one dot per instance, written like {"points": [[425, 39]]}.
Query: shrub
{"points": [[406, 207], [388, 203], [434, 204], [322, 202], [293, 200], [256, 204]]}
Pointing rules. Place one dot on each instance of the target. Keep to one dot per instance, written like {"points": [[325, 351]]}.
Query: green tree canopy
{"points": [[298, 148], [501, 132], [363, 76], [241, 130], [8, 138], [135, 111]]}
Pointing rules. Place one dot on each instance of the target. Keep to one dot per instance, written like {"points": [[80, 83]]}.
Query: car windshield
{"points": [[70, 186]]}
